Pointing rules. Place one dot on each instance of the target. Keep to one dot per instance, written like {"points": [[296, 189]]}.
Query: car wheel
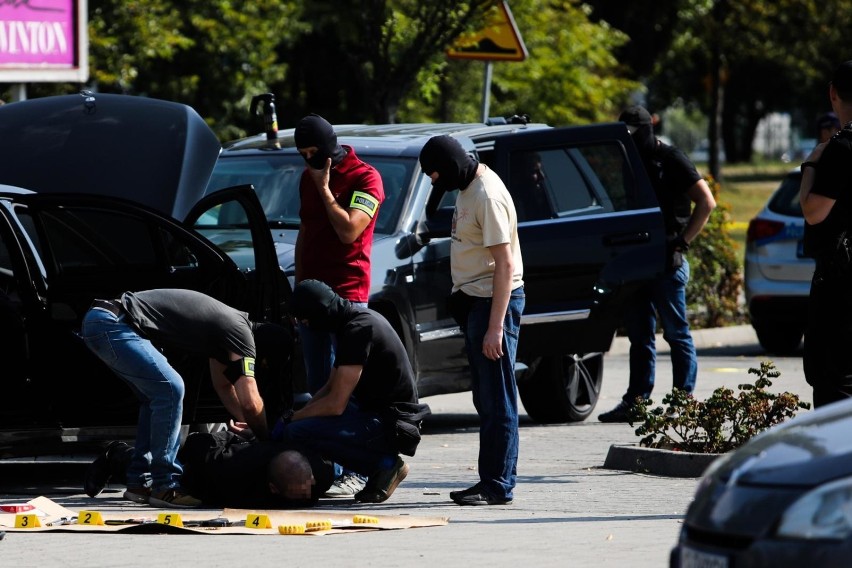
{"points": [[780, 339], [562, 388]]}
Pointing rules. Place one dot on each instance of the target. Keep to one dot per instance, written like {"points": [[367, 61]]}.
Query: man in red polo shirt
{"points": [[340, 198]]}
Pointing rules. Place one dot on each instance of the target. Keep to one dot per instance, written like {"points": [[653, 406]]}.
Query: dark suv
{"points": [[590, 231]]}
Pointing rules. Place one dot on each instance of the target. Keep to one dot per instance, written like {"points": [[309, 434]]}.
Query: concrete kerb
{"points": [[732, 336], [631, 457]]}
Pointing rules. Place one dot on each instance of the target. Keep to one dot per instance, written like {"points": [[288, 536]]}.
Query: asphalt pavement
{"points": [[568, 509]]}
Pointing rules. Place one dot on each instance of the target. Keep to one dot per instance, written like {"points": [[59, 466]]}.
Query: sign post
{"points": [[499, 40]]}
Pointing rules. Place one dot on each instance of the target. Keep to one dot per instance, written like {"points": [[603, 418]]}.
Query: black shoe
{"points": [[465, 492], [381, 485], [476, 496], [623, 412], [102, 469]]}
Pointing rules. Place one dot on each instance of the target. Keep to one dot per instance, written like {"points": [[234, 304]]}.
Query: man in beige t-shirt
{"points": [[487, 272]]}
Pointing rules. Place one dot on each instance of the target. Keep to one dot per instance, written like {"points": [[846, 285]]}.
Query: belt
{"points": [[112, 306]]}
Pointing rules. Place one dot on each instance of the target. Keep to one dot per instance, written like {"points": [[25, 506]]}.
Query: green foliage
{"points": [[715, 278], [570, 77], [726, 420]]}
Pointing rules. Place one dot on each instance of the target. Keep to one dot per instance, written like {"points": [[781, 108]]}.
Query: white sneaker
{"points": [[347, 485]]}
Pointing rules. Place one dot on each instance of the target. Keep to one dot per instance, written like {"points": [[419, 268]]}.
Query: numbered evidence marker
{"points": [[258, 521], [172, 519], [27, 521], [90, 518]]}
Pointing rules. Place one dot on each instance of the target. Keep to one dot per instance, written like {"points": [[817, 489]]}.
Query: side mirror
{"points": [[438, 225]]}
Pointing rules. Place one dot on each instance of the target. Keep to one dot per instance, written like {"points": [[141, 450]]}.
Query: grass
{"points": [[745, 188]]}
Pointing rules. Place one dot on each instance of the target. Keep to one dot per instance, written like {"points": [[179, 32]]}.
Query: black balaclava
{"points": [[456, 168], [316, 302], [641, 128], [314, 130]]}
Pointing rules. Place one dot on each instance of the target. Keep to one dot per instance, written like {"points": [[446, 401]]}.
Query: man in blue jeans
{"points": [[487, 302], [357, 418], [686, 203], [128, 335]]}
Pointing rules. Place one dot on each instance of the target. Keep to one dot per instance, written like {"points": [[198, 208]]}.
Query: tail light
{"points": [[759, 229]]}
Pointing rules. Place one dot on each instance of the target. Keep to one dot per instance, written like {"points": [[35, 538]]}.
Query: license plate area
{"points": [[692, 558]]}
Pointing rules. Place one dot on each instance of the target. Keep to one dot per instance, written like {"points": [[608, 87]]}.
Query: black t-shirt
{"points": [[672, 174], [223, 469], [833, 180], [190, 321], [368, 339]]}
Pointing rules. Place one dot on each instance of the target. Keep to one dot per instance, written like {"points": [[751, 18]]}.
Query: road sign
{"points": [[499, 40]]}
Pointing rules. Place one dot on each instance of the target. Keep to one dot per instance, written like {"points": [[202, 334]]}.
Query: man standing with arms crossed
{"points": [[487, 301], [340, 198]]}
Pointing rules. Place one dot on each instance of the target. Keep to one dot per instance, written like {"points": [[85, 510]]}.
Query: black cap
{"points": [[635, 116], [842, 80]]}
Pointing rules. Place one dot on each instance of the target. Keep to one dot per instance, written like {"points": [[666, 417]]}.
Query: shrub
{"points": [[719, 424], [715, 281]]}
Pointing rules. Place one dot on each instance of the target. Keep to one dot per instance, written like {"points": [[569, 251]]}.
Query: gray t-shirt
{"points": [[191, 321]]}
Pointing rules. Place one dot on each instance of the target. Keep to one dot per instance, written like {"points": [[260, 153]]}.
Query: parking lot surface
{"points": [[568, 510]]}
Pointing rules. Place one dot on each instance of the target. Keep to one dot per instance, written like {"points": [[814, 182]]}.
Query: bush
{"points": [[719, 424], [715, 279]]}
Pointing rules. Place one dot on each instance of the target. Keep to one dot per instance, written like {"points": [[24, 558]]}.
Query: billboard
{"points": [[43, 41]]}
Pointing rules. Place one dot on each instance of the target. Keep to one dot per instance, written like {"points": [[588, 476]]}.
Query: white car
{"points": [[777, 274]]}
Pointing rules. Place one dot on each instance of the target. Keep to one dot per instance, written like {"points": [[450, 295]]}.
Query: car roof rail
{"points": [[514, 119]]}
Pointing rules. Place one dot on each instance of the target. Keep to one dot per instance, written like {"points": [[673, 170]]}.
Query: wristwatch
{"points": [[807, 165]]}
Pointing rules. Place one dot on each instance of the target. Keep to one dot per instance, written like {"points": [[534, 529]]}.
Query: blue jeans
{"points": [[495, 395], [159, 389], [665, 296], [357, 439]]}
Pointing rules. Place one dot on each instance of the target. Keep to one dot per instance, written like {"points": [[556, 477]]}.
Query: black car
{"points": [[100, 196], [783, 499], [589, 225]]}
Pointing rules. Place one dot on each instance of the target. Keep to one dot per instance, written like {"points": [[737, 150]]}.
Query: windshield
{"points": [[786, 198], [275, 178]]}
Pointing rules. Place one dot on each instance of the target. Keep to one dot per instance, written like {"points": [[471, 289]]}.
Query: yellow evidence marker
{"points": [[291, 529], [172, 519], [258, 521], [27, 521], [90, 518], [364, 520], [324, 525]]}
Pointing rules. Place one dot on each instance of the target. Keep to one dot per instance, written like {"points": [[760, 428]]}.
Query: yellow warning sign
{"points": [[500, 40]]}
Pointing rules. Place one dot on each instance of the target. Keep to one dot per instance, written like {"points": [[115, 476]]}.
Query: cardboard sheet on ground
{"points": [[54, 517]]}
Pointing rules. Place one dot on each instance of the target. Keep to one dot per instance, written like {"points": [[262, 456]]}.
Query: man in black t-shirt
{"points": [[129, 335], [826, 198], [686, 203], [354, 419]]}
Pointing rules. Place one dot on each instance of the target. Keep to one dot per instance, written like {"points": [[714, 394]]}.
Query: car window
{"points": [[276, 181], [559, 182], [785, 200], [83, 238]]}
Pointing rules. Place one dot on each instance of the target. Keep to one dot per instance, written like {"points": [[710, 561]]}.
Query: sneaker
{"points": [[174, 497], [623, 412], [138, 494], [102, 469], [477, 496], [347, 485], [381, 485]]}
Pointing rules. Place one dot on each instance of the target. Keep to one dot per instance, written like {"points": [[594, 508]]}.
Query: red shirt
{"points": [[344, 267]]}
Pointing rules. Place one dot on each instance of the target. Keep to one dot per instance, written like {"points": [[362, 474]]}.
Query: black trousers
{"points": [[828, 337]]}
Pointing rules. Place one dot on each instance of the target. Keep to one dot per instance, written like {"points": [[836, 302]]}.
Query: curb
{"points": [[630, 457], [705, 338]]}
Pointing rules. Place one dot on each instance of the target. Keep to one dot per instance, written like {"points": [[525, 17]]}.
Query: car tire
{"points": [[779, 339], [562, 388]]}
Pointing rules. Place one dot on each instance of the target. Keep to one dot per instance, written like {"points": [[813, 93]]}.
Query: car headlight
{"points": [[823, 513]]}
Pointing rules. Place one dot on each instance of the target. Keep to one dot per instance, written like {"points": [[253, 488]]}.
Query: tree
{"points": [[570, 77]]}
